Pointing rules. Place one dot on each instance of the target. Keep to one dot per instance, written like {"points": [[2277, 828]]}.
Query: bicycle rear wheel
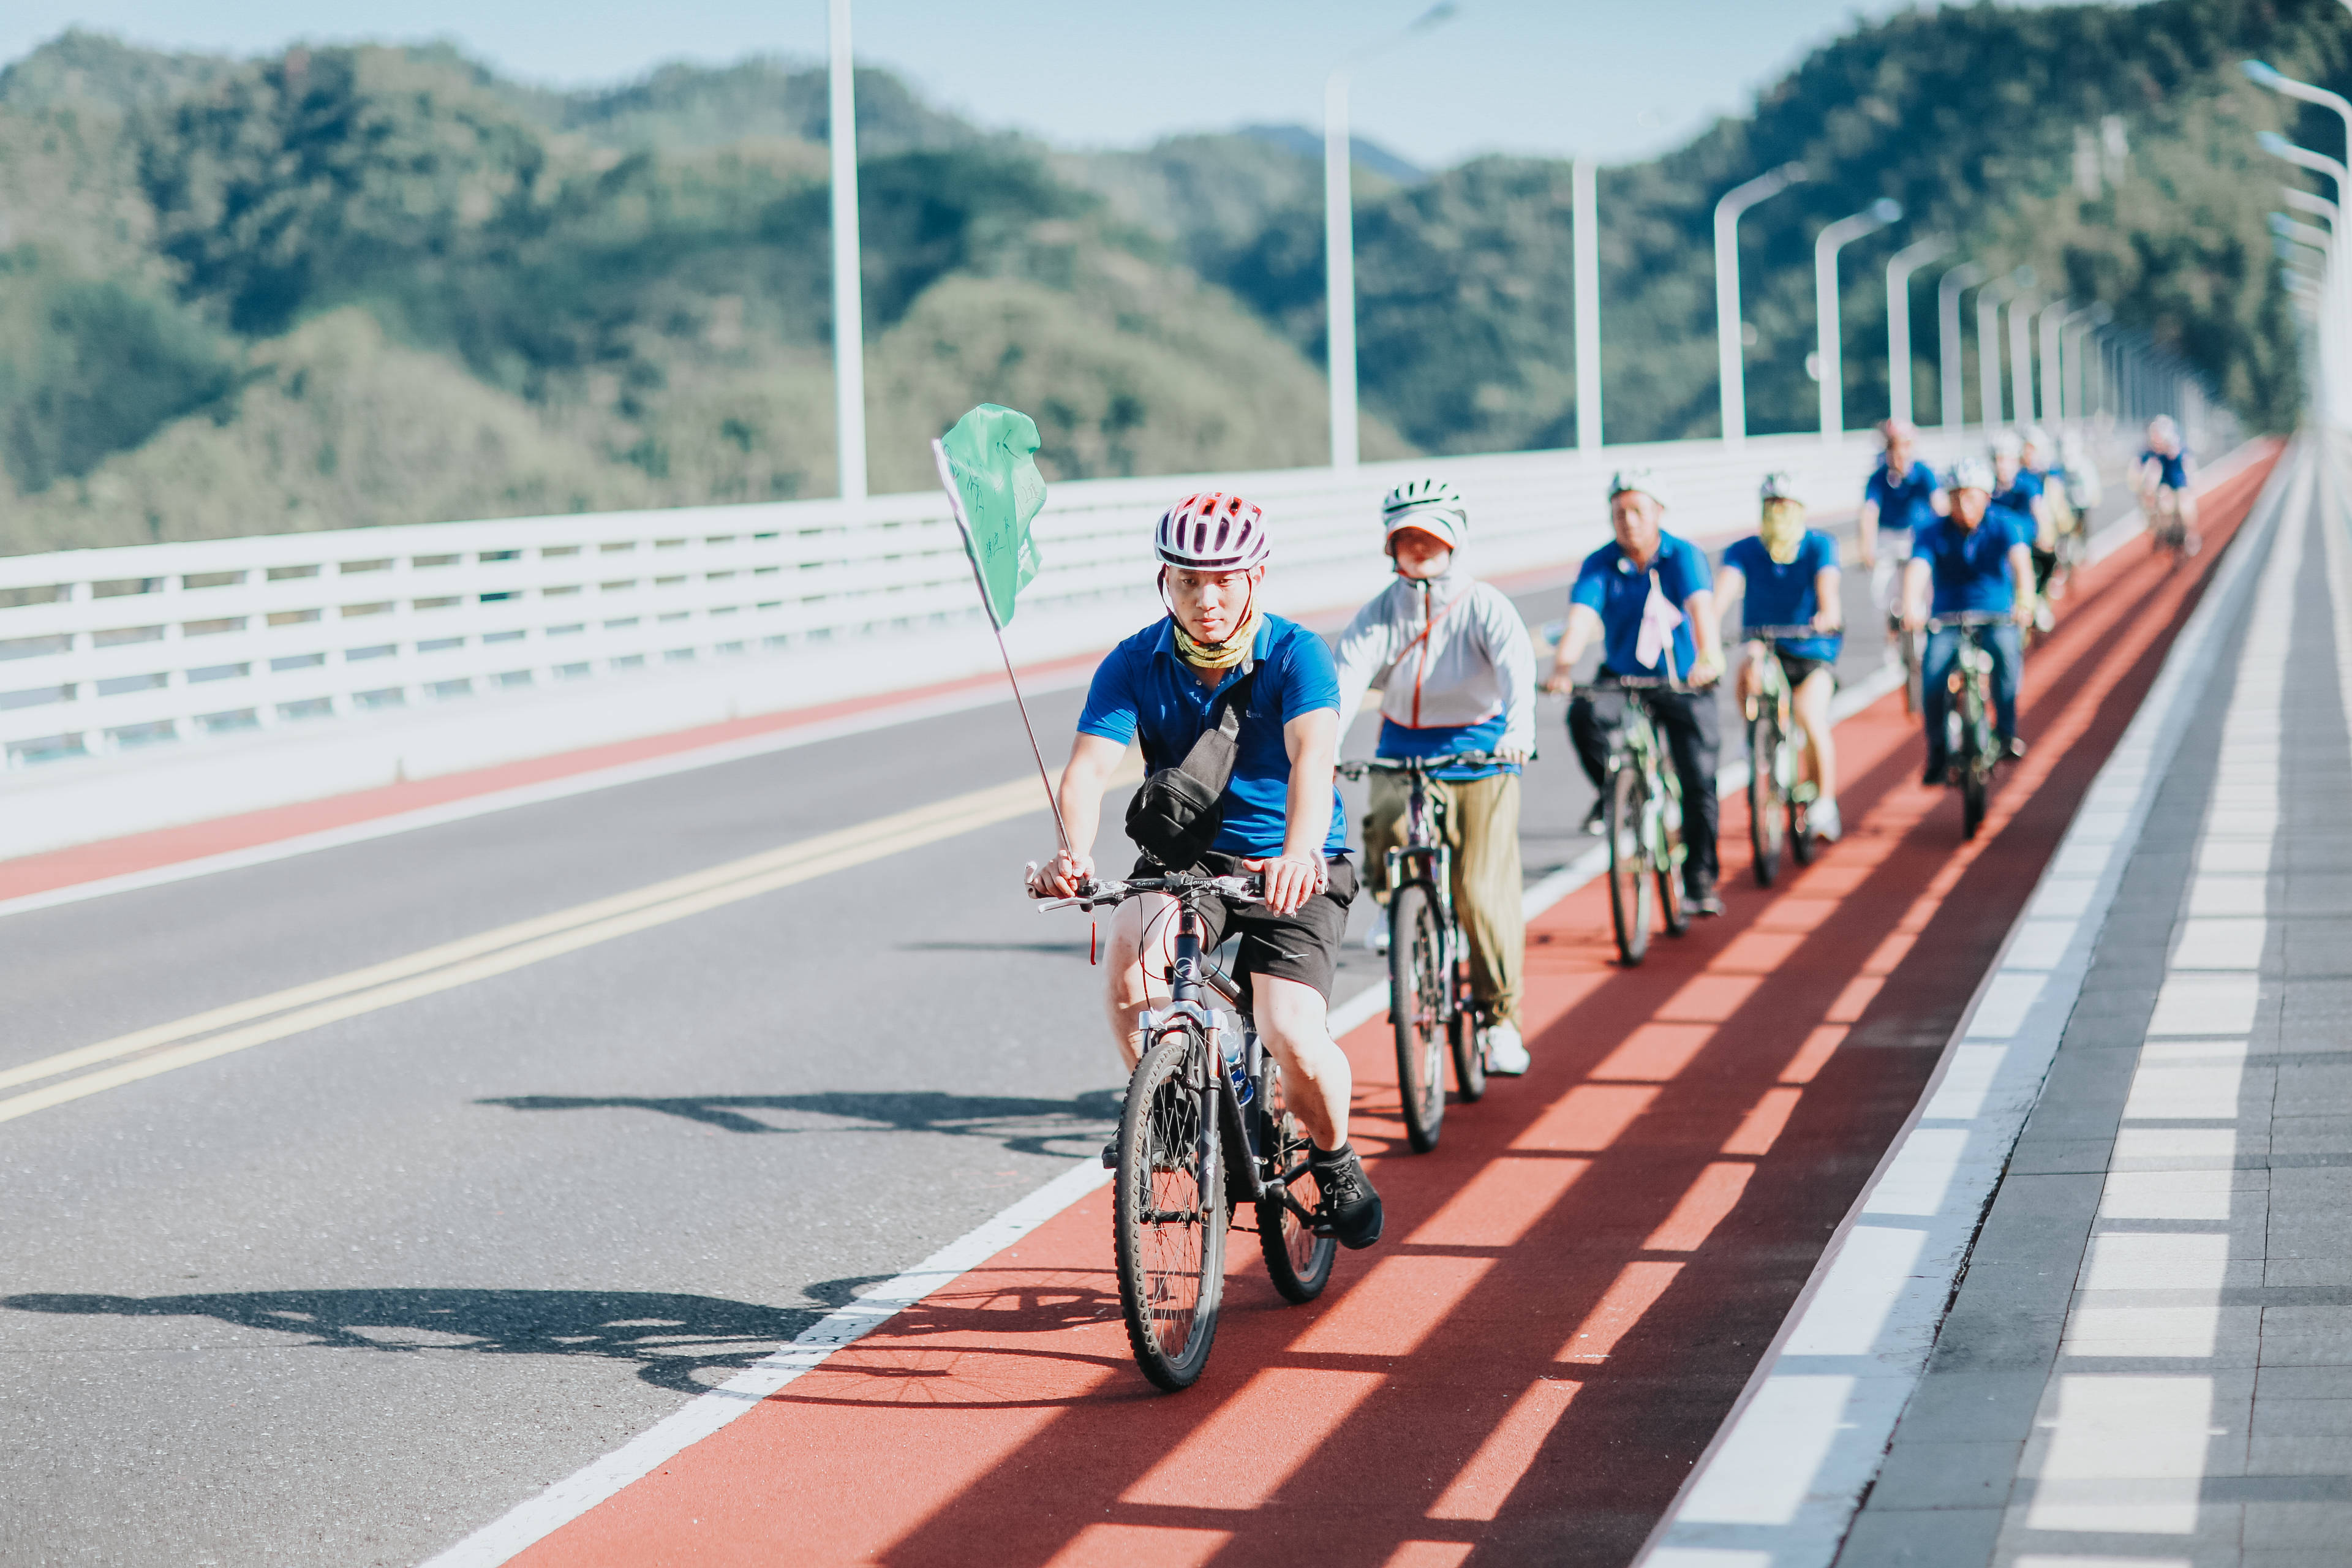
{"points": [[1629, 865], [1673, 908], [1767, 812], [1417, 1002], [1298, 1260], [1469, 1058], [1801, 836], [1168, 1218]]}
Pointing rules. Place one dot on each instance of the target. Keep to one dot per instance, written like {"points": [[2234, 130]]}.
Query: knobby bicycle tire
{"points": [[1418, 982], [1629, 865], [1298, 1260], [1168, 1211], [1767, 812]]}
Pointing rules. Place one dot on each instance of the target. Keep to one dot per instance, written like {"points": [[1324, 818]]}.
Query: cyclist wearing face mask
{"points": [[1458, 671], [1786, 575]]}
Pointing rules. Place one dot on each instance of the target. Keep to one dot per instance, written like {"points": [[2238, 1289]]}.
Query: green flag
{"points": [[989, 464]]}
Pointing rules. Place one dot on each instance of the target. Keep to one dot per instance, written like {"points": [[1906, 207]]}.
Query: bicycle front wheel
{"points": [[1298, 1260], [1169, 1211], [1767, 816], [1417, 1003], [1629, 865]]}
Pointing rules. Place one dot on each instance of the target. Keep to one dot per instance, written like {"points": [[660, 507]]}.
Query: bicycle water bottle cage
{"points": [[1175, 815]]}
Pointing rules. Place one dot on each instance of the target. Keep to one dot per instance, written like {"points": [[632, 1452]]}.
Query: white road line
{"points": [[1888, 1267]]}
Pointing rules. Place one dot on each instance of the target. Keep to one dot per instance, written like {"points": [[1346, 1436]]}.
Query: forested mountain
{"points": [[348, 285]]}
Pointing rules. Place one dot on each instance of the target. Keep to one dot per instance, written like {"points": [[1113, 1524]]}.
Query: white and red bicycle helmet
{"points": [[1213, 531]]}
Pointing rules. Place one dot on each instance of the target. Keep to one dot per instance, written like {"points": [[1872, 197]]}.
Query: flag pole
{"points": [[972, 554]]}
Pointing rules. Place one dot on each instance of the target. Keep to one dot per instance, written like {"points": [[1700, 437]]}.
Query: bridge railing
{"points": [[105, 651]]}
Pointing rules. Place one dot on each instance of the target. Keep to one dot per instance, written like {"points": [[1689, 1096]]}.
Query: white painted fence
{"points": [[104, 651]]}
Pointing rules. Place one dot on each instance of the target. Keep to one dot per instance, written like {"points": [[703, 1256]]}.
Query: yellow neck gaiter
{"points": [[1783, 530], [1218, 656]]}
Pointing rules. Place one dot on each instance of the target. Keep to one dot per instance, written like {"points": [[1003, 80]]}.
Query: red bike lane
{"points": [[1574, 1286]]}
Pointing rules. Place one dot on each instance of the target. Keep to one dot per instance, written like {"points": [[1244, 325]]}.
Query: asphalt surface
{"points": [[344, 1298]]}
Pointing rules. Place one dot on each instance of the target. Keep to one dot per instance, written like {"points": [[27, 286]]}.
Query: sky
{"points": [[1614, 82]]}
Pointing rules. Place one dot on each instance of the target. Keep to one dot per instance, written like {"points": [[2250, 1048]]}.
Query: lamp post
{"points": [[848, 296], [2049, 403], [2335, 295], [1988, 302], [1727, 346], [1949, 350], [1828, 348], [2304, 201], [2071, 386], [1585, 236], [1339, 236], [1899, 268]]}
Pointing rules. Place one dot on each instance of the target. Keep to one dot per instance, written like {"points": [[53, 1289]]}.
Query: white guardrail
{"points": [[107, 651]]}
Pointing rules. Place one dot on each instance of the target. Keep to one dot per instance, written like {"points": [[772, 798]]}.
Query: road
{"points": [[345, 1295]]}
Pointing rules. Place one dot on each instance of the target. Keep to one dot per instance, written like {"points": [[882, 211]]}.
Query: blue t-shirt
{"points": [[1905, 504], [1444, 740], [1608, 585], [1781, 596], [2023, 491], [1144, 688], [2176, 469], [1970, 566]]}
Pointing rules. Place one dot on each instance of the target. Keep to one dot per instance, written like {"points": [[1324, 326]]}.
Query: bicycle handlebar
{"points": [[1630, 683], [1965, 619], [1249, 889], [1791, 634], [1358, 768]]}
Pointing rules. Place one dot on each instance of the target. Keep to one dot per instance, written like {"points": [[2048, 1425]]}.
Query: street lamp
{"points": [[2302, 201], [2278, 146], [2072, 384], [1727, 346], [1899, 268], [2050, 405], [2021, 361], [1339, 234], [1584, 240], [1949, 350], [1829, 352], [1989, 304], [848, 301], [2261, 75]]}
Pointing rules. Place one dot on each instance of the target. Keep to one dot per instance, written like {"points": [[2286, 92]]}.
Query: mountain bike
{"points": [[1971, 742], [1429, 956], [1910, 647], [1777, 791], [1205, 1131], [1645, 820]]}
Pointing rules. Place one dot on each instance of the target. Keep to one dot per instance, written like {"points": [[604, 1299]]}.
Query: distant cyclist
{"points": [[1281, 816], [1459, 675], [1627, 594], [1786, 575], [2038, 475], [2162, 476], [1900, 497], [1977, 559]]}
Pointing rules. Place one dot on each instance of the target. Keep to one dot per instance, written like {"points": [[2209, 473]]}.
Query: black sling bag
{"points": [[1175, 815]]}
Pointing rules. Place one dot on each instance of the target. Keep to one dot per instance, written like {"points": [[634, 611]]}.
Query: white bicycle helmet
{"points": [[1213, 531], [2007, 443], [1778, 486], [1638, 479], [1429, 505], [2035, 436], [1970, 474]]}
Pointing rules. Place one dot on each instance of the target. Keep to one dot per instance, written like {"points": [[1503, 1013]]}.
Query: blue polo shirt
{"points": [[2023, 491], [1145, 690], [1970, 566], [1904, 503], [2175, 476], [1781, 596], [1608, 584]]}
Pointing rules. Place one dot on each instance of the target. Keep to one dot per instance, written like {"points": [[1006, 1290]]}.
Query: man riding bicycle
{"points": [[2162, 477], [2019, 485], [1976, 560], [1648, 596], [1459, 675], [1165, 687], [1786, 575], [1900, 497]]}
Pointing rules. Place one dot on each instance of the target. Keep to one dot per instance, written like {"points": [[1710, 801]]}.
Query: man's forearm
{"points": [[1307, 821]]}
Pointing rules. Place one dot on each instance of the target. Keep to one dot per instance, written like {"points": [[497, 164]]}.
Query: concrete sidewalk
{"points": [[2149, 1360]]}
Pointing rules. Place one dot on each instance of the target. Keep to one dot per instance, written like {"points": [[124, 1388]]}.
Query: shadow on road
{"points": [[1023, 1125], [677, 1342]]}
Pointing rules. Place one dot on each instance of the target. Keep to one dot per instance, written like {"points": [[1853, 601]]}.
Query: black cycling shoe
{"points": [[1350, 1209], [1699, 893], [1110, 1153]]}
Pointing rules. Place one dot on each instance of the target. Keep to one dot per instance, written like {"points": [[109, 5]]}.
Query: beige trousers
{"points": [[1481, 828]]}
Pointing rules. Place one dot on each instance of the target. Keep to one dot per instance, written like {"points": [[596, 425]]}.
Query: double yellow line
{"points": [[200, 1037]]}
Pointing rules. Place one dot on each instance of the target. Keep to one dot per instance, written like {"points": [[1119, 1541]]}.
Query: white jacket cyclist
{"points": [[1456, 662]]}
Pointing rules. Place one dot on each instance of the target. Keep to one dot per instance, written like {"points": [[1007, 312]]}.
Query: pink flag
{"points": [[1659, 619]]}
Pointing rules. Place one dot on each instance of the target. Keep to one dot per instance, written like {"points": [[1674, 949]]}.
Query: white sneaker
{"points": [[1376, 935], [1506, 1054], [1823, 822]]}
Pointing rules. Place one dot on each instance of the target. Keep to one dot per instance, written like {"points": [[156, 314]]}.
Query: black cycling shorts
{"points": [[1303, 946], [1799, 669]]}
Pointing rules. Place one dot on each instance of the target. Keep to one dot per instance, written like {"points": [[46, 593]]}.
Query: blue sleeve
{"points": [[1924, 542], [1110, 710], [1310, 679], [1740, 555], [1877, 489], [1821, 554], [1687, 572], [1591, 588]]}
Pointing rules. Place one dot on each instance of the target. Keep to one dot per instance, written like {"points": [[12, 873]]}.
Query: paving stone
{"points": [[1948, 1475], [1944, 1538], [2300, 1526], [1963, 1406]]}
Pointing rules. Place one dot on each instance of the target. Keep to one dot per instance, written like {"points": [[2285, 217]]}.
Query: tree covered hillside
{"points": [[349, 286]]}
